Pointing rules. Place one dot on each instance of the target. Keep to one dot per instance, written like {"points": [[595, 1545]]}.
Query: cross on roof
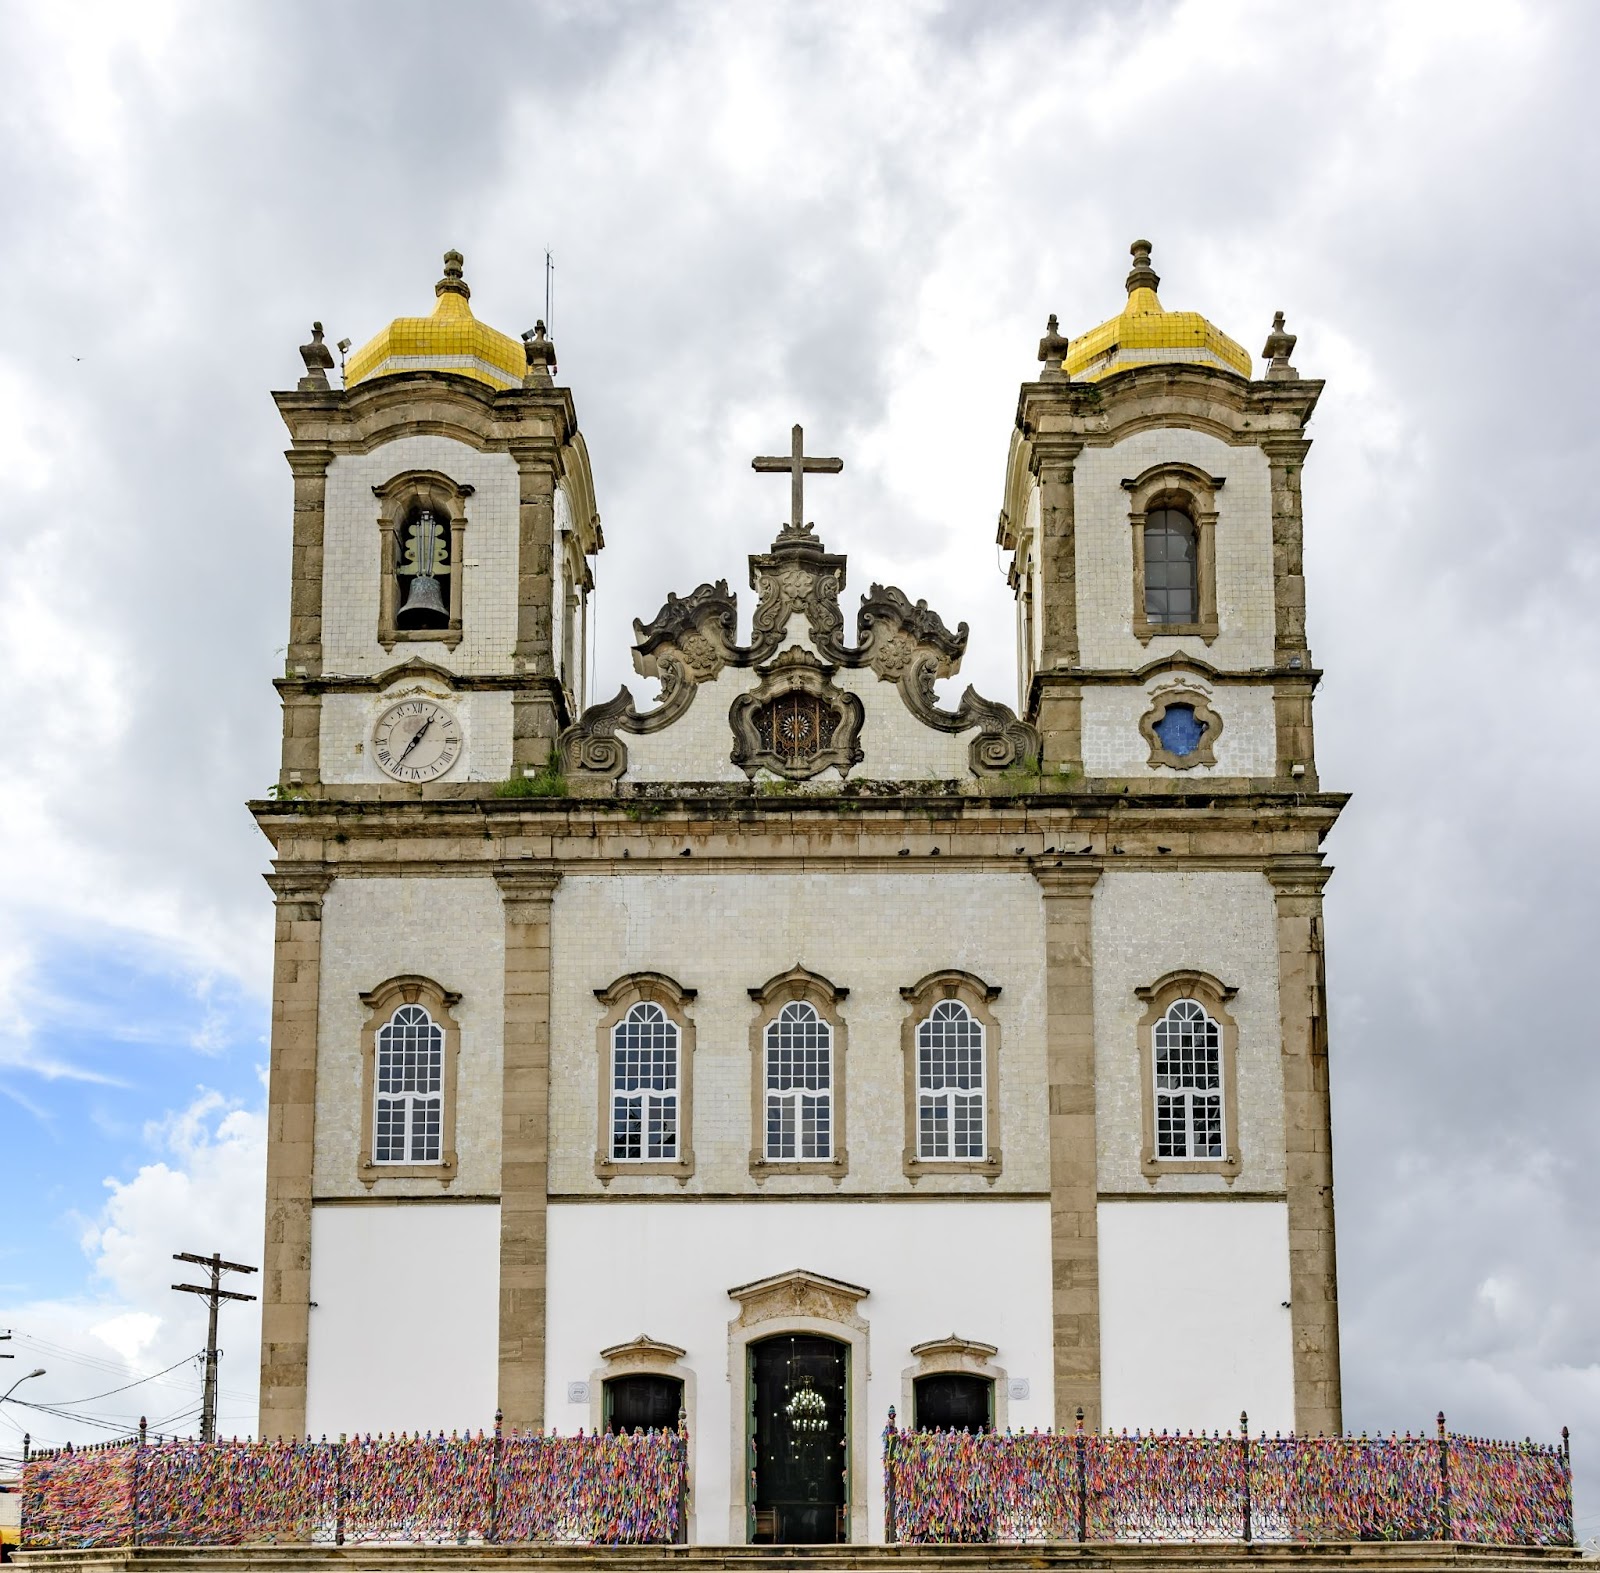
{"points": [[798, 466]]}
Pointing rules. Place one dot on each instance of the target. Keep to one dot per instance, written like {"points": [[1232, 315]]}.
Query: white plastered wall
{"points": [[978, 1268], [894, 744], [1149, 924], [725, 933], [1194, 1321], [351, 558], [450, 930], [1113, 744], [405, 1320], [348, 720], [1104, 551]]}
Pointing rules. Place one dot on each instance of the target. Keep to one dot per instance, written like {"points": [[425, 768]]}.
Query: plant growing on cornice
{"points": [[549, 782], [283, 793]]}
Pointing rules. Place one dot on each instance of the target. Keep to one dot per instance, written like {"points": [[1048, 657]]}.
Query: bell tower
{"points": [[1153, 520], [444, 523], [1152, 515]]}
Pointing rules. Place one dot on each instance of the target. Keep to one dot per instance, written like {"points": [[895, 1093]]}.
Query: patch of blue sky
{"points": [[110, 1038]]}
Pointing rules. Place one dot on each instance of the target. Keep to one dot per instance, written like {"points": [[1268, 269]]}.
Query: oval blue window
{"points": [[1180, 730]]}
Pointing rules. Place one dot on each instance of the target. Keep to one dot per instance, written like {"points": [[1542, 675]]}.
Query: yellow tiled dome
{"points": [[1146, 334], [452, 339]]}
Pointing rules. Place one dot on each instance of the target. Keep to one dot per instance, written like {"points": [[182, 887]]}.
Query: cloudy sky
{"points": [[856, 217]]}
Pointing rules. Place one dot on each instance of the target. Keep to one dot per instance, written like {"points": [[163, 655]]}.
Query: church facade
{"points": [[801, 1040]]}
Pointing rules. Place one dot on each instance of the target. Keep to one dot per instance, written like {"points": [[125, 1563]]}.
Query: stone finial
{"points": [[1277, 350], [541, 354], [319, 362], [1142, 275], [1053, 349], [452, 283]]}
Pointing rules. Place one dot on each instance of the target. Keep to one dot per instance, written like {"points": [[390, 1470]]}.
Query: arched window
{"points": [[799, 1082], [1171, 567], [950, 1084], [1188, 1083], [644, 1086], [408, 1119]]}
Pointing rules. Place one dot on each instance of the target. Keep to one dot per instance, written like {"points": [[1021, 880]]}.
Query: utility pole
{"points": [[214, 1294], [5, 1338]]}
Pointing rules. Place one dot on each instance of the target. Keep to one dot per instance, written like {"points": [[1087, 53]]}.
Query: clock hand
{"points": [[415, 739]]}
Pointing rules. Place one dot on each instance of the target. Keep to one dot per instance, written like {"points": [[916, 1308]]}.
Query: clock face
{"points": [[416, 740]]}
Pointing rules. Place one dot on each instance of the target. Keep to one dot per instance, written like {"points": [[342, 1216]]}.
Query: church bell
{"points": [[423, 596]]}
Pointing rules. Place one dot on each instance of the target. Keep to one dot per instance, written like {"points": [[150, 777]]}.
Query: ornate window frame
{"points": [[797, 671], [798, 984], [977, 996], [969, 1357], [397, 497], [382, 1002], [1160, 703], [637, 988], [644, 1356], [1213, 996], [1192, 491]]}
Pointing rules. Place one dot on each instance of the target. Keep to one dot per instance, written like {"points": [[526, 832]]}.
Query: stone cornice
{"points": [[1201, 397], [1299, 876], [423, 403], [531, 842]]}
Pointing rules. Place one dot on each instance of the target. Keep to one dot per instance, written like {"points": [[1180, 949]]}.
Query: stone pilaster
{"points": [[1290, 652], [1056, 701], [1308, 1143], [302, 712], [536, 714], [291, 1119], [309, 467], [1074, 1177], [528, 892]]}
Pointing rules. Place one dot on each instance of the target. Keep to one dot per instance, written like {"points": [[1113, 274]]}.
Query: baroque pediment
{"points": [[799, 1295], [693, 640]]}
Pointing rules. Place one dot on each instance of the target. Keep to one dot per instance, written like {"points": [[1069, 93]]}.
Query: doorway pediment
{"points": [[799, 1293]]}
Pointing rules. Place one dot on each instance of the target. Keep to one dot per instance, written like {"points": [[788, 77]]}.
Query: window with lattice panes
{"points": [[408, 1115], [950, 1084], [644, 1086], [1187, 1045], [799, 1084], [1171, 567]]}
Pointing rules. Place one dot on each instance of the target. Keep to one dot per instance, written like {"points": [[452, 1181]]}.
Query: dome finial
{"points": [[452, 283], [319, 362], [1053, 348], [1277, 350], [541, 356], [1142, 275]]}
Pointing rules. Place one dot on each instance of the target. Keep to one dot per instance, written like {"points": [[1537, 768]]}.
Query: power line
{"points": [[93, 1397], [114, 1368]]}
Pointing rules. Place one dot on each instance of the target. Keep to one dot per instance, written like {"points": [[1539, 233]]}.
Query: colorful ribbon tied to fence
{"points": [[943, 1487], [589, 1490]]}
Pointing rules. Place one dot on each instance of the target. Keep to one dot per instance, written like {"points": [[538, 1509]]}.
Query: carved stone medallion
{"points": [[796, 723]]}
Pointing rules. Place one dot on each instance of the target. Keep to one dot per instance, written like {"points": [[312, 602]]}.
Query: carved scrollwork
{"points": [[890, 631], [693, 639], [1003, 740], [799, 578], [591, 745], [796, 723], [701, 629]]}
